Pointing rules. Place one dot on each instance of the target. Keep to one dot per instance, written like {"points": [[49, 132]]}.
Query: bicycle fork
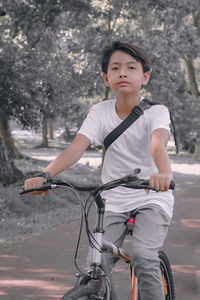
{"points": [[134, 284]]}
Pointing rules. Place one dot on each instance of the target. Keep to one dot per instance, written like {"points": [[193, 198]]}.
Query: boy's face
{"points": [[125, 74]]}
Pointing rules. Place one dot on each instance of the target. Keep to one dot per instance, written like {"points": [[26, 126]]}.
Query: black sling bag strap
{"points": [[137, 111], [113, 135]]}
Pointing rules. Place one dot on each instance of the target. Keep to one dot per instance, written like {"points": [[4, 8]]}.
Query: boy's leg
{"points": [[150, 230]]}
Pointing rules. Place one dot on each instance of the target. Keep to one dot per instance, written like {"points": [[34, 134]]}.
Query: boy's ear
{"points": [[146, 77], [105, 77]]}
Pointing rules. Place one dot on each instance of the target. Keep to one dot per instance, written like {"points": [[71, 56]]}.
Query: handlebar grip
{"points": [[172, 185], [41, 190]]}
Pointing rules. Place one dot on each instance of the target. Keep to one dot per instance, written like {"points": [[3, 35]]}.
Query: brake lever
{"points": [[129, 178], [132, 177], [136, 171]]}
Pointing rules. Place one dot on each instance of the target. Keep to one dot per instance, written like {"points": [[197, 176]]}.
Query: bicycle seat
{"points": [[130, 224]]}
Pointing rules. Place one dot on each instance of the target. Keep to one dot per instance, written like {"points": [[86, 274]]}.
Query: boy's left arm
{"points": [[159, 140]]}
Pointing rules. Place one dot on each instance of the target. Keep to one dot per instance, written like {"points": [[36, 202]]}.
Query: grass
{"points": [[24, 215]]}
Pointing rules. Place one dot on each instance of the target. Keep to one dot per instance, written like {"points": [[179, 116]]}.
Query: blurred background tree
{"points": [[29, 57]]}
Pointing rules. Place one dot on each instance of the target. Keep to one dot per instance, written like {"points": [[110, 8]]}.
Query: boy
{"points": [[143, 145]]}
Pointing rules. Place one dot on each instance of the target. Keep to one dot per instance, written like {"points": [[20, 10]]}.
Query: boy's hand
{"points": [[160, 181], [34, 183]]}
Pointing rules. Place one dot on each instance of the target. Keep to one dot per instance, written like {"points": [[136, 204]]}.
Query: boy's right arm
{"points": [[64, 161]]}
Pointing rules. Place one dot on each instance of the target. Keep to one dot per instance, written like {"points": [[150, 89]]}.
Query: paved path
{"points": [[41, 267]]}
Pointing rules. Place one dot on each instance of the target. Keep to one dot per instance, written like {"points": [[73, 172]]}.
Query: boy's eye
{"points": [[132, 68], [115, 68]]}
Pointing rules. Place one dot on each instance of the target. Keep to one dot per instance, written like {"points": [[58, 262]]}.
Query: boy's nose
{"points": [[122, 73]]}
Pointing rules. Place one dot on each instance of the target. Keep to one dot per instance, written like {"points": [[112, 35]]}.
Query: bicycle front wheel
{"points": [[81, 293], [167, 276]]}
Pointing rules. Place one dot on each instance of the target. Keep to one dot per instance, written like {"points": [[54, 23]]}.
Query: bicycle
{"points": [[94, 284]]}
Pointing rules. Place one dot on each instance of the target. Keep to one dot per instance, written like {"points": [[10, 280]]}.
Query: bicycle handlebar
{"points": [[129, 181]]}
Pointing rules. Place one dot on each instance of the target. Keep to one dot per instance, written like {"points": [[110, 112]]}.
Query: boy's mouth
{"points": [[123, 83]]}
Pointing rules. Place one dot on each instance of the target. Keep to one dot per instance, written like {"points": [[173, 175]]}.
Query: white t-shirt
{"points": [[130, 151]]}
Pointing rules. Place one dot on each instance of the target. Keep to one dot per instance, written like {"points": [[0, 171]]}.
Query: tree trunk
{"points": [[5, 133], [8, 172], [192, 81], [196, 152], [106, 94], [44, 132], [50, 129], [44, 143]]}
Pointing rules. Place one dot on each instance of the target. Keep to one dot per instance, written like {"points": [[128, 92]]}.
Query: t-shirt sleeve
{"points": [[92, 126], [159, 117]]}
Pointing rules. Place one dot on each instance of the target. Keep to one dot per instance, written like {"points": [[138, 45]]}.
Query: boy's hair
{"points": [[132, 50]]}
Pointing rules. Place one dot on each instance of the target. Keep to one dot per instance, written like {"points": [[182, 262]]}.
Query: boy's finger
{"points": [[46, 193], [156, 183], [43, 193], [167, 184], [161, 186], [151, 181]]}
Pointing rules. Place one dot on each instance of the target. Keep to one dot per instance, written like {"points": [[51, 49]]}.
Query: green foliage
{"points": [[37, 76], [51, 52], [12, 90], [33, 17]]}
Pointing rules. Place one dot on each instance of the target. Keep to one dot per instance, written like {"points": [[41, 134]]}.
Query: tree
{"points": [[182, 32], [12, 97], [13, 94], [30, 27], [23, 26], [8, 172]]}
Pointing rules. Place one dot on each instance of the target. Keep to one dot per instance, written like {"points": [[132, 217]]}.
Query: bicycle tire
{"points": [[168, 279], [82, 292], [102, 285], [167, 275], [68, 293]]}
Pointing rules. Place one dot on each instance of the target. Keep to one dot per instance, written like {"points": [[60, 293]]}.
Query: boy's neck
{"points": [[125, 104]]}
